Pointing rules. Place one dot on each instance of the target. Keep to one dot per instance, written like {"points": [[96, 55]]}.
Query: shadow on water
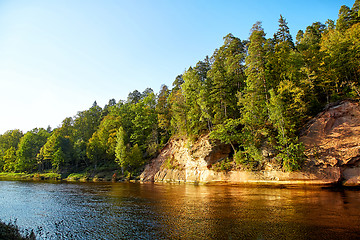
{"points": [[165, 211]]}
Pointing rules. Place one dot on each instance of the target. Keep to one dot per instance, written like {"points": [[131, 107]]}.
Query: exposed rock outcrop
{"points": [[180, 162], [332, 142]]}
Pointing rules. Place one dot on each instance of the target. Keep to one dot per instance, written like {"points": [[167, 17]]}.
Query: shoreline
{"points": [[55, 177]]}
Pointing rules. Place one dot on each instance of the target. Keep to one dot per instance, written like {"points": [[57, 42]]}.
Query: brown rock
{"points": [[332, 139], [332, 143]]}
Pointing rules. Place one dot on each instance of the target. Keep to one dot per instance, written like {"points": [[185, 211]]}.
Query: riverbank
{"points": [[100, 176], [30, 176], [332, 156], [108, 177]]}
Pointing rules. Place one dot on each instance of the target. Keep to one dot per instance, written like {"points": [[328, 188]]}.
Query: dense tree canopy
{"points": [[252, 94]]}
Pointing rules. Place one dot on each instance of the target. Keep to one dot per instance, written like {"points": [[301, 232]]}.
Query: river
{"points": [[165, 211]]}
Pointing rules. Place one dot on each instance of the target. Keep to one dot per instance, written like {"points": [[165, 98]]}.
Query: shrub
{"points": [[11, 231]]}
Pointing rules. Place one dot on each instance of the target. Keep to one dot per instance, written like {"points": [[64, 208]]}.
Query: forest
{"points": [[249, 94]]}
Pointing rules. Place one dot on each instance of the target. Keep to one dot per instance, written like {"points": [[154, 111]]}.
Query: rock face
{"points": [[332, 142], [188, 163]]}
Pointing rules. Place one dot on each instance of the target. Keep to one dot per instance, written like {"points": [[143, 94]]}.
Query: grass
{"points": [[78, 177], [104, 173], [15, 175], [47, 176], [32, 176]]}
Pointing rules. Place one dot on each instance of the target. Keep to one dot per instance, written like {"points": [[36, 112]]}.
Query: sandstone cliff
{"points": [[331, 139]]}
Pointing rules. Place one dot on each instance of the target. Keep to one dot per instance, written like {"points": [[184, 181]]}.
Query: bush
{"points": [[10, 231], [223, 165]]}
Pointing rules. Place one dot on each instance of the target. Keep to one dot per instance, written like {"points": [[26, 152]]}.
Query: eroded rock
{"points": [[332, 143], [332, 140]]}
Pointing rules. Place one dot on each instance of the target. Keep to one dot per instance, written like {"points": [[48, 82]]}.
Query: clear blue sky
{"points": [[57, 57]]}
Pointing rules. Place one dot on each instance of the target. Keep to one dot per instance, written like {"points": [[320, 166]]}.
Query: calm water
{"points": [[163, 211]]}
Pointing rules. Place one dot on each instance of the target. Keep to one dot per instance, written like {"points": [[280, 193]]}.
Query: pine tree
{"points": [[255, 96], [227, 77]]}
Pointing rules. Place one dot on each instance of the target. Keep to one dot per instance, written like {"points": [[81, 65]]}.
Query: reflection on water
{"points": [[164, 211]]}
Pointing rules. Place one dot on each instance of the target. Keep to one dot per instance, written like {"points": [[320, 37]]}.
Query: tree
{"points": [[128, 158], [178, 112], [286, 140], [341, 71], [283, 34], [255, 96], [87, 122], [120, 149], [227, 77], [309, 48], [193, 84], [355, 12], [228, 132], [145, 123], [146, 92], [101, 146], [283, 66], [94, 151], [9, 142], [46, 154], [177, 106], [56, 153], [178, 82], [135, 158], [10, 139], [9, 160], [163, 114], [344, 20], [29, 148], [108, 107], [281, 59], [134, 97]]}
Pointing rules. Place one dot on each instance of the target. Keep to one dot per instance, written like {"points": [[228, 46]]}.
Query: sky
{"points": [[58, 57]]}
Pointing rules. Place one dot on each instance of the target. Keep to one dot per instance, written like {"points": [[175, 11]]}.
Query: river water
{"points": [[165, 211]]}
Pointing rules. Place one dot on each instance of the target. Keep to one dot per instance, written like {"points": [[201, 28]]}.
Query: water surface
{"points": [[164, 211]]}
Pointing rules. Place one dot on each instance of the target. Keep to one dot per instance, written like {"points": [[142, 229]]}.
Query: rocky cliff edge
{"points": [[331, 140]]}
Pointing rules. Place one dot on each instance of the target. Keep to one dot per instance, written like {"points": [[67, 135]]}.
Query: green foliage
{"points": [[87, 122], [255, 96], [9, 142], [120, 149], [293, 156], [135, 158], [78, 177], [145, 122], [56, 152], [348, 17], [341, 71], [223, 165], [163, 114], [28, 149], [9, 160], [251, 94], [178, 124], [11, 231], [172, 164], [227, 78], [194, 82], [228, 132], [291, 152], [101, 146]]}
